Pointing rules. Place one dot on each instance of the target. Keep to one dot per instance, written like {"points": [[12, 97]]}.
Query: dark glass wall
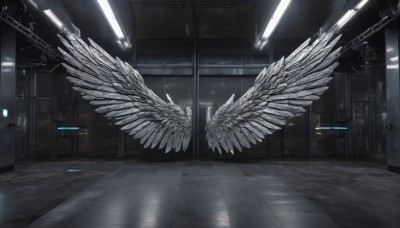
{"points": [[43, 102], [354, 104], [368, 133], [330, 120], [296, 138], [361, 123], [360, 106], [105, 137], [22, 103], [72, 112]]}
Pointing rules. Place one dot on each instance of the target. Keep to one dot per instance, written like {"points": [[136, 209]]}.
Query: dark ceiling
{"points": [[214, 19]]}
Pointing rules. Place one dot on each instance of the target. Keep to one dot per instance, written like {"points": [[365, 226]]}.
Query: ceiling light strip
{"points": [[276, 17], [49, 13], [345, 18], [350, 14], [112, 20], [361, 4]]}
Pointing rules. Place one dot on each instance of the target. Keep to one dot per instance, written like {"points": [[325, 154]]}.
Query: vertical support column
{"points": [[53, 124], [121, 144], [32, 114], [393, 96], [347, 106], [195, 112], [311, 133], [371, 114], [91, 132], [7, 97]]}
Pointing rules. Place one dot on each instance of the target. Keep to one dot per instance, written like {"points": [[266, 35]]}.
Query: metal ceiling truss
{"points": [[35, 39], [371, 31]]}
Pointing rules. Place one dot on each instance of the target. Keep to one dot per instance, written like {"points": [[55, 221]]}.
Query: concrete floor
{"points": [[200, 194]]}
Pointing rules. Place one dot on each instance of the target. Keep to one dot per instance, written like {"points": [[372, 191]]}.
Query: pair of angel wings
{"points": [[280, 92]]}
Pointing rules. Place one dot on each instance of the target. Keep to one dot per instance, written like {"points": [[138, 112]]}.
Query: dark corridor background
{"points": [[354, 104], [200, 55]]}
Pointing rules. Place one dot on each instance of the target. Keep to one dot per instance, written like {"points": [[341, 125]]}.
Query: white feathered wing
{"points": [[280, 92], [118, 91]]}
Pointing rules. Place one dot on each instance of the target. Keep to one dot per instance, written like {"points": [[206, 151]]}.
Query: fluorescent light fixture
{"points": [[49, 13], [361, 4], [260, 44], [394, 59], [263, 44], [5, 113], [346, 17], [276, 17], [33, 4], [127, 44], [121, 45], [7, 64], [124, 44], [112, 20], [350, 13], [392, 66]]}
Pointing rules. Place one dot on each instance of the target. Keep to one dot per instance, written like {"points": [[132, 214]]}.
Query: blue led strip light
{"points": [[68, 128], [332, 128]]}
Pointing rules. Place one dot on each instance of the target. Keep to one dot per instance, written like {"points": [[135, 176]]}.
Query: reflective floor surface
{"points": [[264, 194]]}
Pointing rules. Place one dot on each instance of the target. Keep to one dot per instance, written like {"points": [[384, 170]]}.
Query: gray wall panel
{"points": [[393, 94], [7, 96]]}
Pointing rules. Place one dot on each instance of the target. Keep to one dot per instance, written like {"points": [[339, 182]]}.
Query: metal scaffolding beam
{"points": [[371, 31], [35, 39]]}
